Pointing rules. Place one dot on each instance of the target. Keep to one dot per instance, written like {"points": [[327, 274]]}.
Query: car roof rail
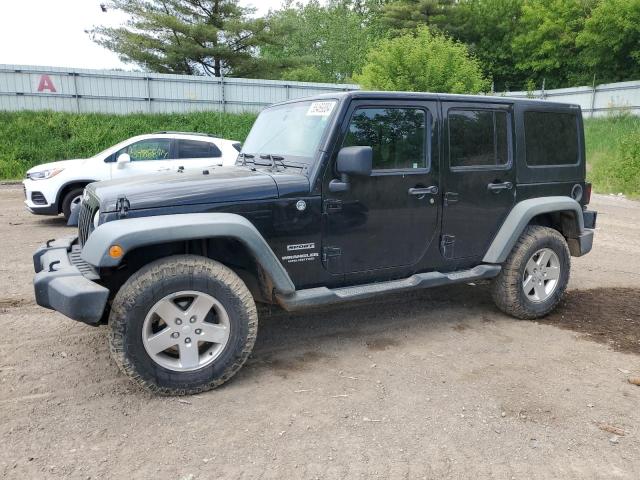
{"points": [[198, 134]]}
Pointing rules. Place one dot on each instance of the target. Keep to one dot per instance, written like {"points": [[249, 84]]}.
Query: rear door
{"points": [[478, 176], [196, 154]]}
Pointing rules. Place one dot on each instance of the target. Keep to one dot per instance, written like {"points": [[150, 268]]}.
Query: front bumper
{"points": [[63, 282], [46, 204], [42, 209]]}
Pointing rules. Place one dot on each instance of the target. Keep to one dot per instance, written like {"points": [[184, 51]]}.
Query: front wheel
{"points": [[535, 275], [182, 325]]}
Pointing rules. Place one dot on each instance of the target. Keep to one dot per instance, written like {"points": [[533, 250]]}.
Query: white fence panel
{"points": [[605, 99], [81, 90], [104, 91]]}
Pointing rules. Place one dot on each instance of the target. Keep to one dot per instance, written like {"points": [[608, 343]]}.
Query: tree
{"points": [[488, 28], [405, 15], [187, 36], [546, 47], [610, 41], [320, 42], [422, 61]]}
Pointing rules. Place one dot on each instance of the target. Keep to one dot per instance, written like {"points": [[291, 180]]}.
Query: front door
{"points": [[387, 219], [478, 176], [147, 156]]}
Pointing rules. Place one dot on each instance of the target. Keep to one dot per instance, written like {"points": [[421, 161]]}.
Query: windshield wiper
{"points": [[274, 159], [244, 156]]}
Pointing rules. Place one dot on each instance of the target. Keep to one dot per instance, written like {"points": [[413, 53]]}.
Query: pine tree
{"points": [[210, 37]]}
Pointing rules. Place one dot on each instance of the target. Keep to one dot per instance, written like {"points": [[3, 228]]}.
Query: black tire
{"points": [[507, 288], [154, 282], [68, 199]]}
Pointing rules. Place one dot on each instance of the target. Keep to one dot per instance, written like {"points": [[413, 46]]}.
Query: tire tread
{"points": [[145, 279]]}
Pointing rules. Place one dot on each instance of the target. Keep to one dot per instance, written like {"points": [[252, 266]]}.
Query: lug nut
{"points": [[178, 321], [193, 319], [198, 331], [187, 340], [175, 335]]}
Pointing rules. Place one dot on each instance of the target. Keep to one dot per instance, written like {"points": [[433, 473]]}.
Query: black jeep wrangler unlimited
{"points": [[333, 198]]}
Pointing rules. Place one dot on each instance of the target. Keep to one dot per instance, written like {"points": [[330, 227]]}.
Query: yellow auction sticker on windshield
{"points": [[320, 109]]}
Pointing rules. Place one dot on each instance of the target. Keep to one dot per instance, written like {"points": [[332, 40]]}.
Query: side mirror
{"points": [[351, 161], [123, 159]]}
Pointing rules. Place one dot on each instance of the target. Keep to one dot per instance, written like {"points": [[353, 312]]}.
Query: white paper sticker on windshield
{"points": [[320, 109]]}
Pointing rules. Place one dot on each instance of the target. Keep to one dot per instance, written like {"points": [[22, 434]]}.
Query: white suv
{"points": [[51, 188]]}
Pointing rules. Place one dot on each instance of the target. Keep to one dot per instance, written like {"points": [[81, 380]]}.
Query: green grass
{"points": [[613, 154], [31, 138]]}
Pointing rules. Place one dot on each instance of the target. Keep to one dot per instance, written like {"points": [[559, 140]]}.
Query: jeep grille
{"points": [[88, 208]]}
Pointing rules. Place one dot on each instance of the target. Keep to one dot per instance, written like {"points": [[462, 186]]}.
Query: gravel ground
{"points": [[436, 384]]}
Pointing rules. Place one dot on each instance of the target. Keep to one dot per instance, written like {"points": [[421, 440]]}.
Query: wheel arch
{"points": [[228, 238], [67, 187], [561, 213]]}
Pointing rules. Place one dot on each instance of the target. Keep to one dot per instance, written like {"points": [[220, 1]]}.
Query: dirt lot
{"points": [[437, 384]]}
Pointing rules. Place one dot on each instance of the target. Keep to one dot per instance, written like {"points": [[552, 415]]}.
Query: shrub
{"points": [[422, 61]]}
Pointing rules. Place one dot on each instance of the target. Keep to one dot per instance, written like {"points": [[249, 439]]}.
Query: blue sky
{"points": [[52, 33]]}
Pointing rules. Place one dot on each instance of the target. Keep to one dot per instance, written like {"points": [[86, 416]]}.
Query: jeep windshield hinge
{"points": [[122, 206]]}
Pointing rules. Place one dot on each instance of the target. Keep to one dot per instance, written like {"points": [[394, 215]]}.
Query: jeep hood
{"points": [[221, 184]]}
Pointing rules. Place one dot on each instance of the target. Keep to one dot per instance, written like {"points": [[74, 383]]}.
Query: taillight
{"points": [[587, 193]]}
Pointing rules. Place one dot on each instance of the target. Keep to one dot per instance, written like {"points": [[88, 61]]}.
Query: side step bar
{"points": [[313, 297]]}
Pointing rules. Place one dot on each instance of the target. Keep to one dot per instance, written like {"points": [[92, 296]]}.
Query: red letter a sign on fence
{"points": [[46, 84]]}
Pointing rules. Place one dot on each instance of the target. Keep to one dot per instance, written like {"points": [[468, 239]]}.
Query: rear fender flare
{"points": [[520, 216], [133, 233]]}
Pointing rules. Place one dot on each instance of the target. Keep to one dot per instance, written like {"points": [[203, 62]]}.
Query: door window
{"points": [[396, 135], [196, 149], [478, 138], [152, 149], [551, 138]]}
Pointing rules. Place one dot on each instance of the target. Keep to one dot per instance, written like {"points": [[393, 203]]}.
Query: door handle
{"points": [[500, 186], [420, 192]]}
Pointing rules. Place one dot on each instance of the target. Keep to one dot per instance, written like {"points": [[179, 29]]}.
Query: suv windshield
{"points": [[290, 130]]}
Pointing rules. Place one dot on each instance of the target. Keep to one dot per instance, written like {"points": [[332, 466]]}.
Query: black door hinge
{"points": [[122, 206], [447, 244], [449, 198], [331, 206], [330, 252]]}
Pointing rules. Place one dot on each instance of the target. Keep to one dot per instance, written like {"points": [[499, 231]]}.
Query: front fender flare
{"points": [[132, 233], [520, 216]]}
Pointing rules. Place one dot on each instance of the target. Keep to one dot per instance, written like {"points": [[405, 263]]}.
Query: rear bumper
{"points": [[60, 285], [582, 244]]}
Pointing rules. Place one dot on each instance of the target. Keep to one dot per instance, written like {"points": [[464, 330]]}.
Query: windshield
{"points": [[290, 130]]}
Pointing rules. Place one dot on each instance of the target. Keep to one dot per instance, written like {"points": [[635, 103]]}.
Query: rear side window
{"points": [[195, 149], [396, 135], [478, 138], [551, 138]]}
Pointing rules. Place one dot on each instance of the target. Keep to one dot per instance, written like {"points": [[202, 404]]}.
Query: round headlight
{"points": [[96, 219]]}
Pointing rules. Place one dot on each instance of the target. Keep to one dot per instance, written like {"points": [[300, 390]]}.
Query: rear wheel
{"points": [[535, 275], [182, 325], [73, 197]]}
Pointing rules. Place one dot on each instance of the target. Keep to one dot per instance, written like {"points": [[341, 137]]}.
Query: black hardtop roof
{"points": [[372, 95]]}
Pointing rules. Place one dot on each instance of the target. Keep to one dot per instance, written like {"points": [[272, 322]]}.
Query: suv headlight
{"points": [[96, 219], [44, 174]]}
